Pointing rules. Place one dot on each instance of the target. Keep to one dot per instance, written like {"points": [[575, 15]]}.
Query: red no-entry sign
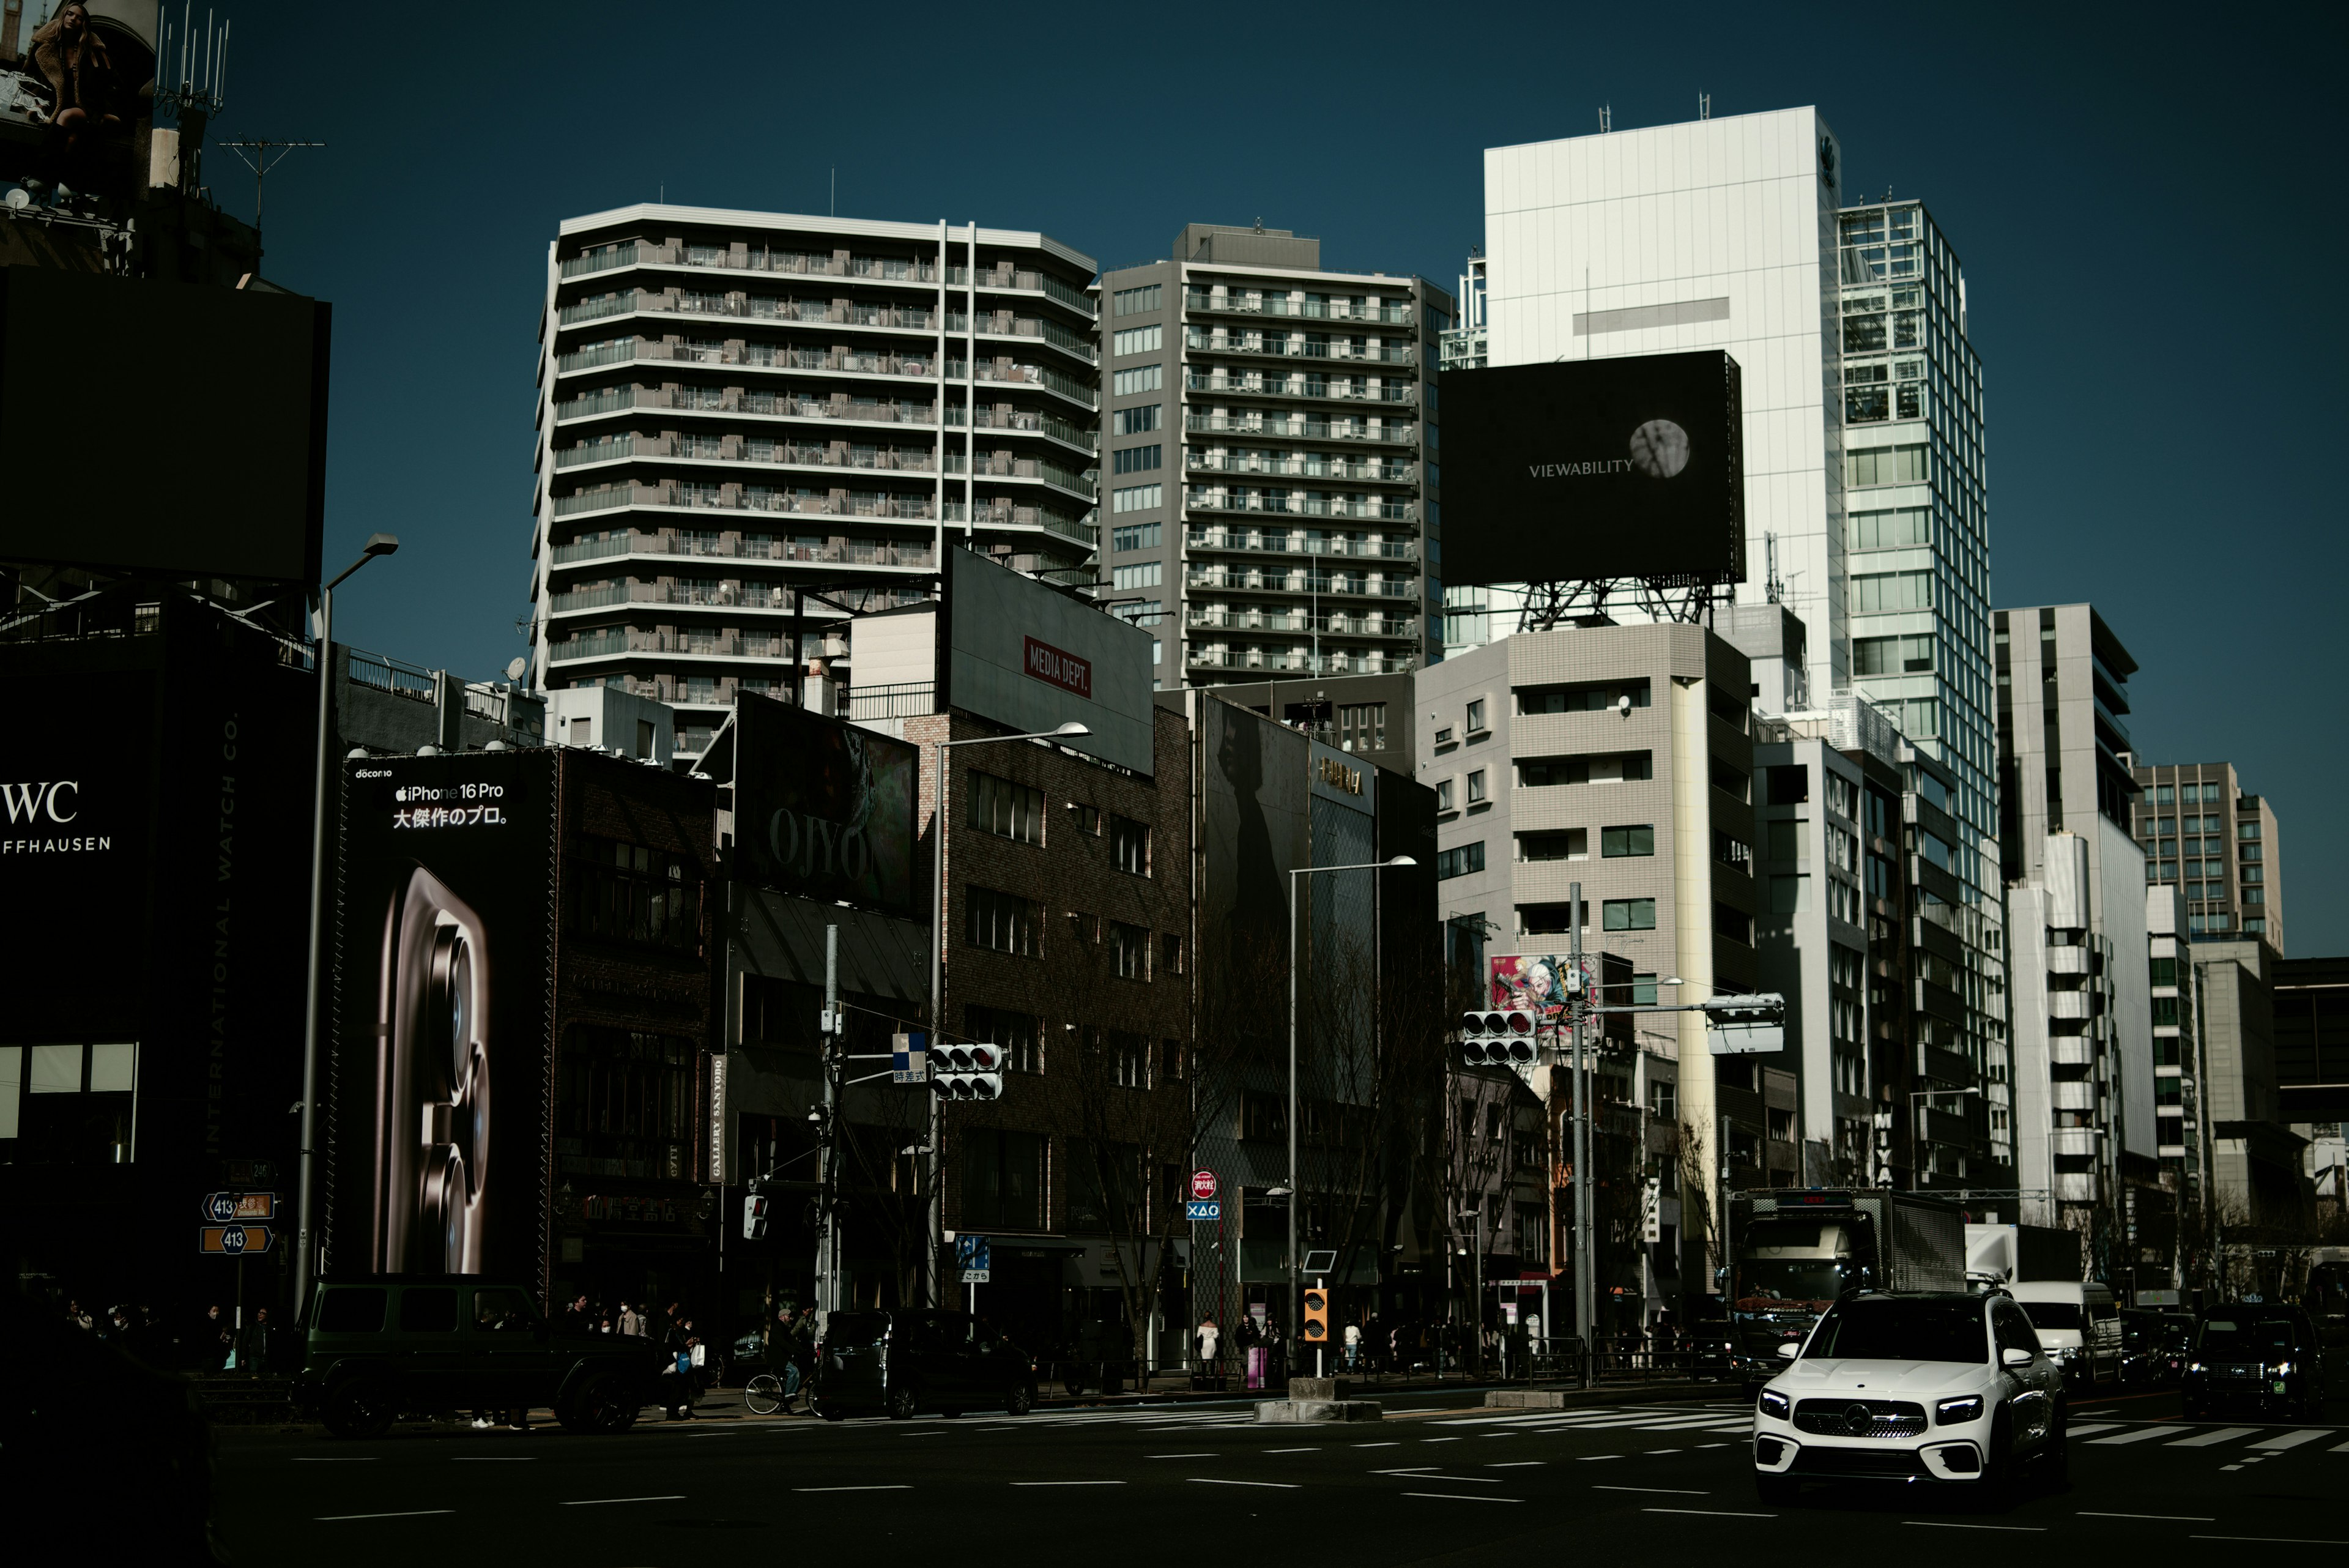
{"points": [[1202, 1184]]}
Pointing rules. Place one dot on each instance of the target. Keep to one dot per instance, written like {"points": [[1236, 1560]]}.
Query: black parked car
{"points": [[2156, 1347], [2258, 1356], [900, 1363], [377, 1347]]}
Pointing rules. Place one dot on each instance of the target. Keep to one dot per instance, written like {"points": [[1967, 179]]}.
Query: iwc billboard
{"points": [[1587, 469]]}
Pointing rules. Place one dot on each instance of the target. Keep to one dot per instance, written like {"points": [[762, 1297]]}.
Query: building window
{"points": [[1264, 1116], [1170, 953], [2250, 894], [1002, 1184], [1572, 844], [1131, 840], [1586, 696], [1019, 1037], [1142, 575], [1139, 420], [1137, 535], [1135, 301], [1138, 498], [1006, 809], [1088, 817], [70, 1103], [1443, 795], [1476, 786], [1628, 915], [1129, 948], [1889, 465], [1476, 717], [1605, 767], [1789, 783], [1892, 655], [1134, 458], [1140, 378], [628, 893], [1138, 340], [1172, 1062], [1549, 920], [1881, 591], [1460, 862], [1004, 922], [1890, 530], [628, 1098], [1664, 1100], [1363, 727], [1735, 924], [2247, 830], [1614, 842], [1731, 780], [1732, 851]]}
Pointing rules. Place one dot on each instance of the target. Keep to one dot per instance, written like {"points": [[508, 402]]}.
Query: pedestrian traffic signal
{"points": [[1501, 1038], [967, 1072], [1316, 1316], [754, 1218]]}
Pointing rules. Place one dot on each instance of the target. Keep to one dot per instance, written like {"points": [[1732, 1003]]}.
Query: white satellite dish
{"points": [[515, 666]]}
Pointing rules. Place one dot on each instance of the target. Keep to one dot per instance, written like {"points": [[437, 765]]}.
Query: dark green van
{"points": [[377, 1347]]}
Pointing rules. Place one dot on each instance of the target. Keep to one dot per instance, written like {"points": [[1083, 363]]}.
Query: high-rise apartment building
{"points": [[753, 424], [1269, 458], [2202, 833], [1866, 494]]}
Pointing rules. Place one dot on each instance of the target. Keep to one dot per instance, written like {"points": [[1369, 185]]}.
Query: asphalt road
{"points": [[1439, 1480]]}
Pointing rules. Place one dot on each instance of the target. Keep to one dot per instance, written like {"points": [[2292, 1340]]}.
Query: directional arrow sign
{"points": [[234, 1241], [222, 1208]]}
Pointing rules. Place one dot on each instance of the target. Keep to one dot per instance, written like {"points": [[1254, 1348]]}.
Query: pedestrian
{"points": [[1210, 1346], [632, 1322], [1353, 1346], [214, 1341], [257, 1346], [575, 1317]]}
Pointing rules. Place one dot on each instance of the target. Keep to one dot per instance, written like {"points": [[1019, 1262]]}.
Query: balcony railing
{"points": [[1302, 623], [987, 515], [734, 595], [1298, 660], [1304, 506], [1303, 468], [1304, 309], [910, 700], [736, 449], [1309, 544], [1303, 387], [1298, 583], [1024, 468], [809, 264], [1217, 343], [1030, 421], [1389, 434], [739, 498]]}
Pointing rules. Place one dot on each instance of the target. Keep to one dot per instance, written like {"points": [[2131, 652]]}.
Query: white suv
{"points": [[1914, 1389]]}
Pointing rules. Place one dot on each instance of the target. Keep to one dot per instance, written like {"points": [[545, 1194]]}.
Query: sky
{"points": [[2146, 203]]}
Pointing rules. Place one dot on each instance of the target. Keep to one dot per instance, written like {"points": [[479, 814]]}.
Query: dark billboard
{"points": [[444, 1016], [220, 472], [824, 809], [1588, 468]]}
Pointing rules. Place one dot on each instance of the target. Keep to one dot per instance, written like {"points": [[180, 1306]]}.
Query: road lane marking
{"points": [[1511, 1464], [1462, 1497], [1586, 1458], [411, 1514], [2141, 1434], [2273, 1539], [894, 1486], [600, 1501], [2177, 1518], [492, 1458], [2204, 1439], [1427, 1476], [1069, 1483], [2293, 1439], [1217, 1481], [335, 1458], [1944, 1524], [1378, 1445], [1291, 1451], [1439, 1439], [1710, 1512], [1182, 1455], [1717, 1445], [1663, 1490]]}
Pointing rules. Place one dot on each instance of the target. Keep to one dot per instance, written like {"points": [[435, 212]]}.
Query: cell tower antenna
{"points": [[1606, 119], [1774, 587], [1704, 106]]}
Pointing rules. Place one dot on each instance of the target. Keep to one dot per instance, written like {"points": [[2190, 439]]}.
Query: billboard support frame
{"points": [[1558, 602]]}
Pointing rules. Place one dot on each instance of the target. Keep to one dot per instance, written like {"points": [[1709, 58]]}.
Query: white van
{"points": [[2079, 1324]]}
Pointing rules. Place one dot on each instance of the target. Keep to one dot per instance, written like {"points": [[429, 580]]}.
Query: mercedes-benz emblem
{"points": [[1857, 1417]]}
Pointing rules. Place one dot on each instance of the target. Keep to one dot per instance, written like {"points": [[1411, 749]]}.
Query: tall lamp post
{"points": [[1296, 1176], [376, 545], [1067, 732]]}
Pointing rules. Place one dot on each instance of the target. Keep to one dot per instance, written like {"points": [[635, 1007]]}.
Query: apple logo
{"points": [[1659, 449]]}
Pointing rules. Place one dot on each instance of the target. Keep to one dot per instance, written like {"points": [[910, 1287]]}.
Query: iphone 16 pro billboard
{"points": [[443, 1008]]}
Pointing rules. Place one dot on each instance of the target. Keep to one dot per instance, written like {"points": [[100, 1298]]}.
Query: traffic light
{"points": [[1317, 1315], [754, 1218], [1498, 1039], [1746, 1025], [967, 1072]]}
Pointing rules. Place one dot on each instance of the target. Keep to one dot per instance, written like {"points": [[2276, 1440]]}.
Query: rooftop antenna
{"points": [[1704, 106], [1606, 118], [261, 161], [193, 100], [1774, 587]]}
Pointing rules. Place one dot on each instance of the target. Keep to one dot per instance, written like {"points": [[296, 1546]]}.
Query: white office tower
{"points": [[1865, 508]]}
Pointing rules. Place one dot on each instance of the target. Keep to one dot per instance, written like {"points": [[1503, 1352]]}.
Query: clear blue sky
{"points": [[2148, 203]]}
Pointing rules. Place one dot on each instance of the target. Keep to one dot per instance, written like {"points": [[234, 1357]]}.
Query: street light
{"points": [[1067, 732], [376, 545], [1296, 1278]]}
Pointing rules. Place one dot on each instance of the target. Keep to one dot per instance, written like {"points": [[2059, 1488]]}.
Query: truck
{"points": [[2012, 1254], [1795, 1252]]}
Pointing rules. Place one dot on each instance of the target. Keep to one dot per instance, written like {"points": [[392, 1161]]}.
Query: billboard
{"points": [[220, 472], [444, 1015], [1584, 469], [824, 809], [1535, 982], [1025, 654]]}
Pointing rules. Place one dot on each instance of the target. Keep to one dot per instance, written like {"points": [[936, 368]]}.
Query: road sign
{"points": [[234, 1241], [1197, 1211], [1202, 1184], [909, 1058], [248, 1172], [226, 1207], [975, 1257]]}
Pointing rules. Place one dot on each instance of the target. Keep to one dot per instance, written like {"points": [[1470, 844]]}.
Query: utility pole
{"points": [[1583, 1277], [827, 1222]]}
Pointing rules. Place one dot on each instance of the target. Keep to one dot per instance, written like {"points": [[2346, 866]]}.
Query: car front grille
{"points": [[1859, 1462], [1860, 1417]]}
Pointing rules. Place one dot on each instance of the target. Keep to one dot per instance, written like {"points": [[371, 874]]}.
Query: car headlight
{"points": [[1775, 1405], [2193, 1367], [1952, 1412], [2284, 1369]]}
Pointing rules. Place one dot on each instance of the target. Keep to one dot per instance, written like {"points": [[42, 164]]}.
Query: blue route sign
{"points": [[1197, 1211]]}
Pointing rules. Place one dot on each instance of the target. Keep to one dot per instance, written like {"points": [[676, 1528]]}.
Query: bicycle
{"points": [[766, 1392]]}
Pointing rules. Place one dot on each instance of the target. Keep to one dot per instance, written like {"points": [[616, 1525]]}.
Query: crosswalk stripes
{"points": [[2092, 1427], [2283, 1441], [2205, 1439], [2143, 1434]]}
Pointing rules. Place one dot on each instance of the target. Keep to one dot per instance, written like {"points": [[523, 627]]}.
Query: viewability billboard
{"points": [[822, 808], [1024, 654], [164, 427], [444, 1070], [1585, 468]]}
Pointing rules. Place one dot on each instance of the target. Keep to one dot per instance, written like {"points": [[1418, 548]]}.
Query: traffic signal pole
{"points": [[1585, 1280]]}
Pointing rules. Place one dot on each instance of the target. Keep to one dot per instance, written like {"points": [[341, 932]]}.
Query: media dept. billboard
{"points": [[1583, 469], [1027, 655], [443, 1027], [822, 808]]}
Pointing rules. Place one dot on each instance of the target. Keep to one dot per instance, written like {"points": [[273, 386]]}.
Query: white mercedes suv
{"points": [[1915, 1388]]}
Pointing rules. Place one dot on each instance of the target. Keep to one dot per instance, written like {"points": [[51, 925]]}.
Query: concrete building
{"points": [[1271, 443], [1619, 758], [2181, 1129], [2230, 869], [752, 424], [1866, 501], [2312, 1036], [387, 705], [2257, 1163], [1367, 716]]}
